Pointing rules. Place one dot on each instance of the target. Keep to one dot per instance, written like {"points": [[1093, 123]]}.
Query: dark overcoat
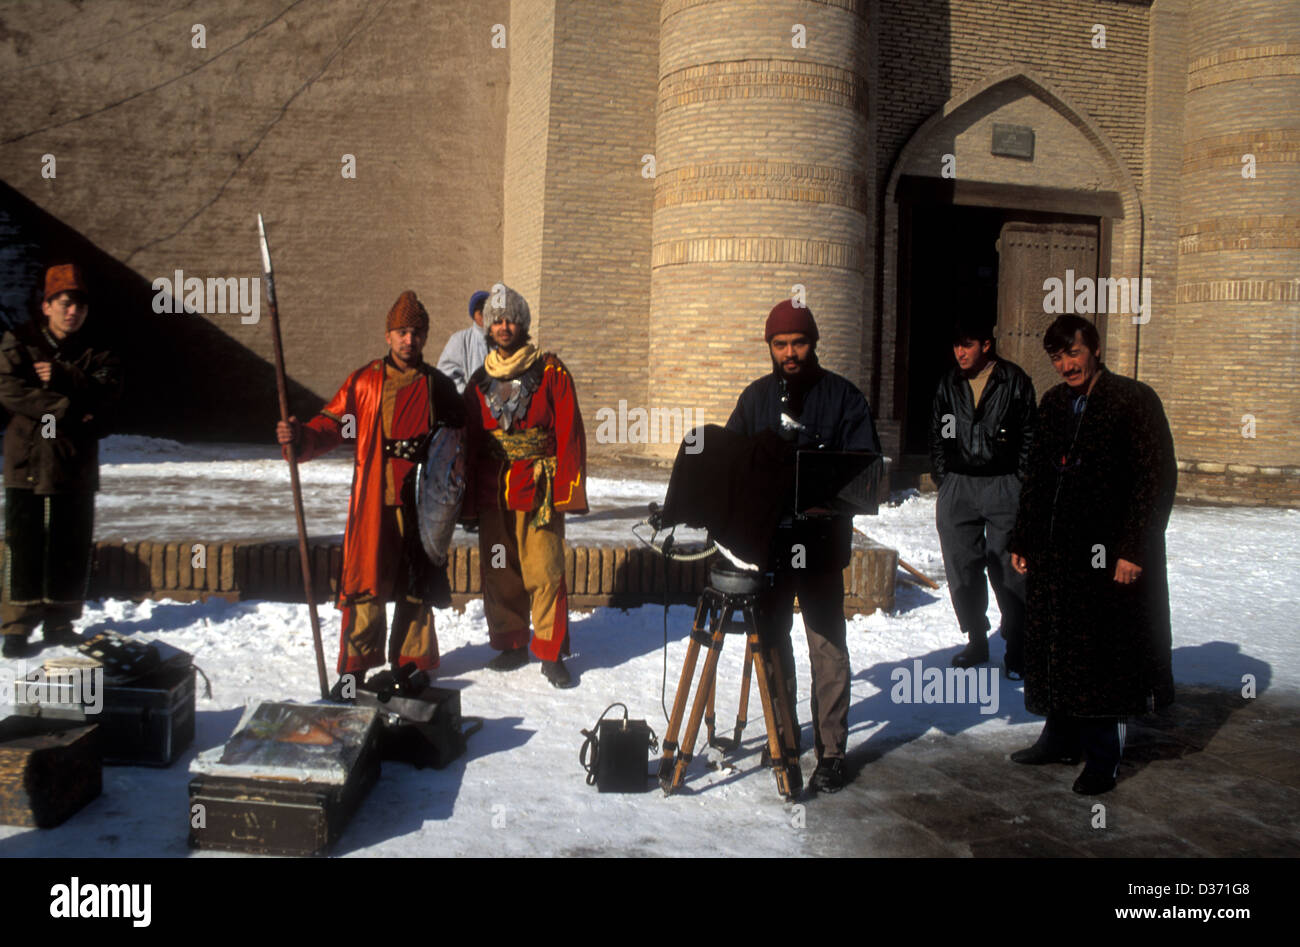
{"points": [[1100, 489]]}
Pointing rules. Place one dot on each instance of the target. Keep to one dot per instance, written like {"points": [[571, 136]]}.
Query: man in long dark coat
{"points": [[1090, 536]]}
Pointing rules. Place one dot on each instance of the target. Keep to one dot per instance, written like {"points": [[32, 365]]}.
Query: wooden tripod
{"points": [[713, 616]]}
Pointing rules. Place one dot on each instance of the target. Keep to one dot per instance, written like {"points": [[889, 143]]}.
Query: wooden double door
{"points": [[984, 261], [1029, 254]]}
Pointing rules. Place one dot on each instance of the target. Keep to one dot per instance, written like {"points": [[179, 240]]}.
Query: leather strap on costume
{"points": [[408, 449], [538, 445]]}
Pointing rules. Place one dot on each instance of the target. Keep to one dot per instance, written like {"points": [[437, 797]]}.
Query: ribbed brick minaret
{"points": [[762, 183], [1238, 302]]}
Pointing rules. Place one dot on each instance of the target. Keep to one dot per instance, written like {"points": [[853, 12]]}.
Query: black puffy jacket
{"points": [[991, 439]]}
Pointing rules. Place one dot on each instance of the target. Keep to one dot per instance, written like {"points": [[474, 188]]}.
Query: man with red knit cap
{"points": [[60, 386], [388, 407], [812, 408]]}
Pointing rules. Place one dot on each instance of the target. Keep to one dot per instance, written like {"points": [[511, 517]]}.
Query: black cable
{"points": [[663, 681], [666, 550], [207, 684]]}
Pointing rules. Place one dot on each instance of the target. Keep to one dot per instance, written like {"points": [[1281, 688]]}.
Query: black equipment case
{"points": [[49, 769], [143, 722], [148, 715], [283, 809], [620, 763], [616, 751], [418, 724], [149, 722]]}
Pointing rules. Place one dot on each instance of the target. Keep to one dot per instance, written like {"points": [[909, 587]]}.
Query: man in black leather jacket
{"points": [[980, 433]]}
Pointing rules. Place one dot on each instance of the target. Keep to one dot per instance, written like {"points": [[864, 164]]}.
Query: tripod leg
{"points": [[781, 705], [786, 723], [686, 751], [782, 701], [709, 716], [679, 701], [742, 715], [774, 751], [780, 740]]}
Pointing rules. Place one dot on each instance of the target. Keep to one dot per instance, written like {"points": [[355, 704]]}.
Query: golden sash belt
{"points": [[538, 445]]}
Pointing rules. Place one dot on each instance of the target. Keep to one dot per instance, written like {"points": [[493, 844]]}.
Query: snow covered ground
{"points": [[222, 492], [520, 790]]}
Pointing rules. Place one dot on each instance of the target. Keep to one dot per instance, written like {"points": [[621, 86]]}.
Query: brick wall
{"points": [[595, 296], [1238, 303], [772, 162], [931, 49], [166, 153], [1239, 484], [763, 184], [532, 39], [1162, 191], [595, 576]]}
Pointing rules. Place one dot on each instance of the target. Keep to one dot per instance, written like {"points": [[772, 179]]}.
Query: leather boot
{"points": [[510, 660], [975, 652], [557, 673]]}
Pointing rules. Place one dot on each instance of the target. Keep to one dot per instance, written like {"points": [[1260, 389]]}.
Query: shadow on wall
{"points": [[185, 378]]}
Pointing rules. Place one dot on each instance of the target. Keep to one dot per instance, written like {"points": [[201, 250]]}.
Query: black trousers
{"points": [[47, 559], [821, 601], [975, 516]]}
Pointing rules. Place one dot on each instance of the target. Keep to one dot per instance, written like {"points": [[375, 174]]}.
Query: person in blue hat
{"points": [[465, 351]]}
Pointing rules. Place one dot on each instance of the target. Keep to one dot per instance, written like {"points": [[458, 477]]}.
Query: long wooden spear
{"points": [[283, 387]]}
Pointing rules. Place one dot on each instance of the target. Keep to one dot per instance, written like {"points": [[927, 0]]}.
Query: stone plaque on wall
{"points": [[1014, 141]]}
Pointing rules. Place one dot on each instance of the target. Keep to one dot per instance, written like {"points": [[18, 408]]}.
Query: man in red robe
{"points": [[387, 407], [526, 467]]}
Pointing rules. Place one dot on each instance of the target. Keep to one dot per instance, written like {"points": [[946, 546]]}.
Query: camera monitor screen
{"points": [[838, 482]]}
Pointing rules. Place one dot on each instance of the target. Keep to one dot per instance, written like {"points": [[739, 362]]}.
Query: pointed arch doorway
{"points": [[986, 240]]}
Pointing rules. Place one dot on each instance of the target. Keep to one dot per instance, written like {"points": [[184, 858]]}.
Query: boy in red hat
{"points": [[59, 390]]}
